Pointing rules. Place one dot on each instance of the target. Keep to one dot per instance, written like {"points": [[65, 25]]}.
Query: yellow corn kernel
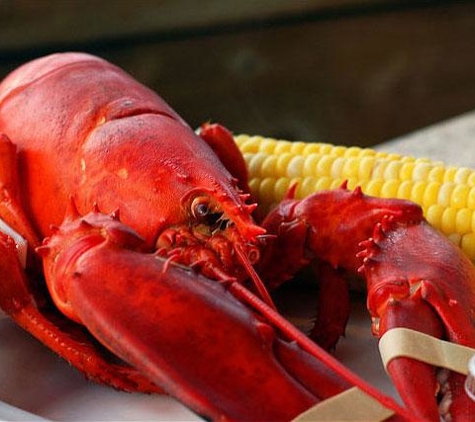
{"points": [[449, 174], [447, 224], [338, 150], [436, 174], [463, 221], [405, 173], [392, 170], [282, 147], [328, 149], [379, 169], [255, 162], [297, 147], [307, 186], [445, 192], [295, 166], [404, 189], [266, 190], [351, 167], [266, 146], [268, 166], [365, 167], [311, 163], [373, 187], [353, 152], [434, 214], [254, 185], [417, 193], [431, 194], [461, 175], [473, 223], [421, 171], [324, 165], [337, 167], [311, 148], [471, 179], [282, 164], [468, 245], [390, 188], [323, 183], [248, 144], [459, 196], [471, 198], [281, 187]]}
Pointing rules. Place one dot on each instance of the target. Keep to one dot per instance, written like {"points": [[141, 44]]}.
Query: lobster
{"points": [[148, 269]]}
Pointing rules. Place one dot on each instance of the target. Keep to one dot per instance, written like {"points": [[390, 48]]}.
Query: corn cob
{"points": [[446, 194]]}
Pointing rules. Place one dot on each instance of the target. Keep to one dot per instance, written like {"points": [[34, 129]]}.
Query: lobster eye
{"points": [[200, 207]]}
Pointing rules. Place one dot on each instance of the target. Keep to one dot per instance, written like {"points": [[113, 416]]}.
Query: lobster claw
{"points": [[183, 331], [189, 335], [406, 289], [416, 279], [165, 314]]}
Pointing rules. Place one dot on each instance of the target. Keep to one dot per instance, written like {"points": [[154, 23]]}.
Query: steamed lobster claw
{"points": [[415, 278], [183, 331], [176, 329], [406, 289]]}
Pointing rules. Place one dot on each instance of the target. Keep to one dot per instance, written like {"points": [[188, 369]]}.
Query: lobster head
{"points": [[119, 146], [183, 201]]}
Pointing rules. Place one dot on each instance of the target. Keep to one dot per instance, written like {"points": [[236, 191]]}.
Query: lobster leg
{"points": [[332, 319]]}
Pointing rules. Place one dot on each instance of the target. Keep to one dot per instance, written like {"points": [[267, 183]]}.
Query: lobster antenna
{"points": [[259, 285]]}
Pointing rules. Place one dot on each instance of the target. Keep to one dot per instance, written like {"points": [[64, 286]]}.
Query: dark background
{"points": [[345, 72]]}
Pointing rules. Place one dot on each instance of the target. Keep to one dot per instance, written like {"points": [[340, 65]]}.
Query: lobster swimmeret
{"points": [[141, 244]]}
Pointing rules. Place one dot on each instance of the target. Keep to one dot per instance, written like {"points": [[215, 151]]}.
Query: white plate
{"points": [[35, 383]]}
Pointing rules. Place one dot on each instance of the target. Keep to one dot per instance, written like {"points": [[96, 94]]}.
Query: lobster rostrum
{"points": [[143, 255]]}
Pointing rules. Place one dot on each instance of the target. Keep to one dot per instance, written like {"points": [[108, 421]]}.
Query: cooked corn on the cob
{"points": [[446, 194]]}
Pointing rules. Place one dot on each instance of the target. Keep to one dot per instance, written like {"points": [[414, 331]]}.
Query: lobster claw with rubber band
{"points": [[147, 270]]}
